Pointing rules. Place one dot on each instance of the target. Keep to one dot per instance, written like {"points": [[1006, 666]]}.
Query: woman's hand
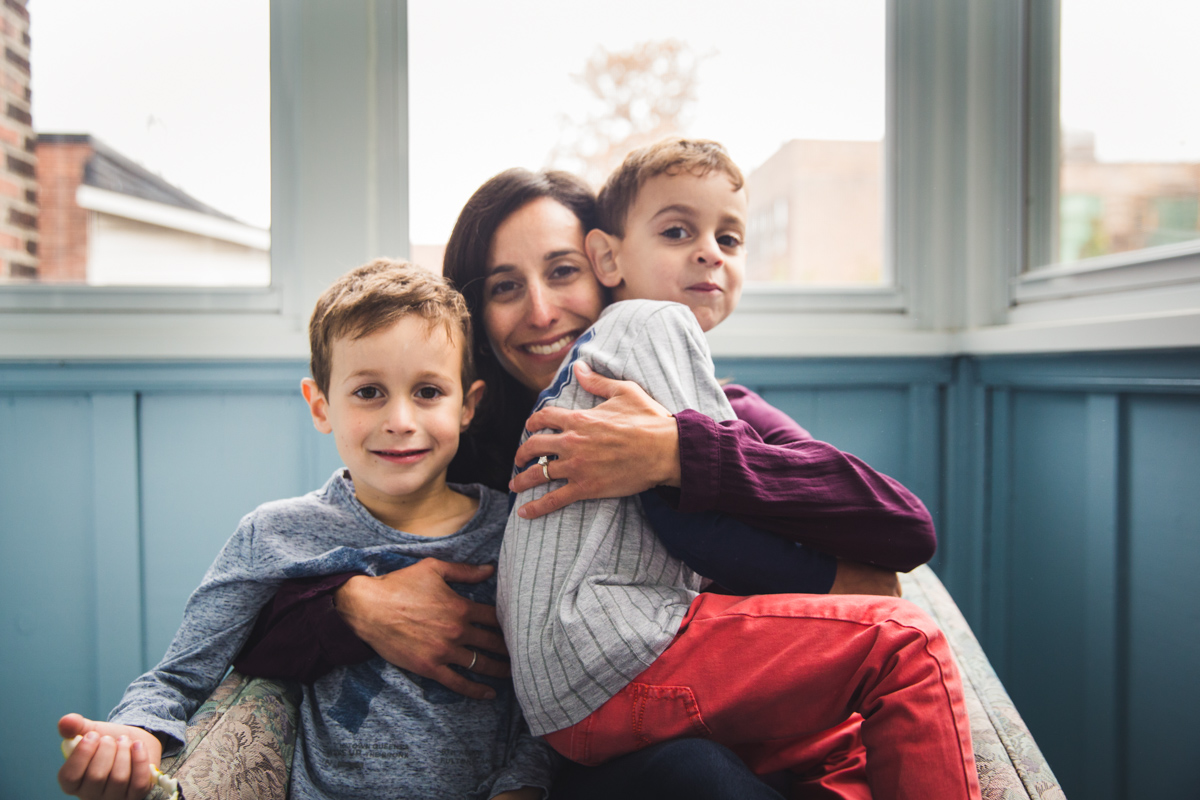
{"points": [[414, 620], [110, 762], [626, 445]]}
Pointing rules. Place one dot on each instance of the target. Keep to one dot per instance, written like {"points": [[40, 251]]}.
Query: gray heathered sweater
{"points": [[371, 730]]}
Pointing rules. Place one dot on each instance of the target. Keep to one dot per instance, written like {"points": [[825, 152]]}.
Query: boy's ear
{"points": [[470, 401], [602, 251], [317, 404]]}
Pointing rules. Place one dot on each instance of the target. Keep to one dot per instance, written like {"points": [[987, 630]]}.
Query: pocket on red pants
{"points": [[638, 716]]}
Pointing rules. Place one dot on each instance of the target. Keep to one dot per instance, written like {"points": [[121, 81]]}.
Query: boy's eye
{"points": [[675, 232], [429, 393], [368, 393], [729, 240]]}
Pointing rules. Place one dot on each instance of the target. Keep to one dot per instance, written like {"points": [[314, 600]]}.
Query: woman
{"points": [[517, 255]]}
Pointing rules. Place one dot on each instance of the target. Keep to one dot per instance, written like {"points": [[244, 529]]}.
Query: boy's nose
{"points": [[399, 416], [709, 253]]}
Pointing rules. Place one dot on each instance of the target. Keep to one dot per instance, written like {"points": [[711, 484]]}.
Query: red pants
{"points": [[772, 676]]}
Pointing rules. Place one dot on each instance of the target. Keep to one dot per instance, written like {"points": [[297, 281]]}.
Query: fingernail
{"points": [[583, 367], [136, 747], [522, 513], [91, 736], [489, 695]]}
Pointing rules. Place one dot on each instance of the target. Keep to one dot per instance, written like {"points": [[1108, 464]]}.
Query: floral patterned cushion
{"points": [[239, 743], [1008, 760]]}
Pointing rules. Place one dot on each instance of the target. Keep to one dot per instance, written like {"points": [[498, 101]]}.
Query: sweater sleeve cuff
{"points": [[699, 461]]}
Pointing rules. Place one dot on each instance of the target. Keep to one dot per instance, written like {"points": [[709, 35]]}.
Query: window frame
{"points": [[1039, 278]]}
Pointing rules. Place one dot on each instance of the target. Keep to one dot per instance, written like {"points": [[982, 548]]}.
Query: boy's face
{"points": [[684, 241], [396, 407]]}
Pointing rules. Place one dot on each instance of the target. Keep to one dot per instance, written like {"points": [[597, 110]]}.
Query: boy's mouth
{"points": [[550, 348], [400, 456], [704, 287]]}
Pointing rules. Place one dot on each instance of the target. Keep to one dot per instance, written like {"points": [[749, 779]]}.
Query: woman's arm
{"points": [[765, 470], [410, 617]]}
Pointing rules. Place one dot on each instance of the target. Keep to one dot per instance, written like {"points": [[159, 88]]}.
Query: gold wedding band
{"points": [[474, 658], [543, 461]]}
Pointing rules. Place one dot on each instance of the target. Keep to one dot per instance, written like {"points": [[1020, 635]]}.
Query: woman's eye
{"points": [[501, 288], [564, 271], [368, 393], [674, 232], [429, 393]]}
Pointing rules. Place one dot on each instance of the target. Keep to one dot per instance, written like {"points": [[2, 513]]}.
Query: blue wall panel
{"points": [[1163, 655], [47, 583], [1043, 654], [207, 460], [1066, 490]]}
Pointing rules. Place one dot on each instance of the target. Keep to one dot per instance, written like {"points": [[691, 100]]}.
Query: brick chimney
{"points": [[18, 170], [63, 226]]}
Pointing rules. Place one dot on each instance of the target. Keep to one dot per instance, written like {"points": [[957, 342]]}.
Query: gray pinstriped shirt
{"points": [[588, 597]]}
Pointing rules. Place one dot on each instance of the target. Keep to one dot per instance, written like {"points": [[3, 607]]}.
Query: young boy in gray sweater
{"points": [[392, 381]]}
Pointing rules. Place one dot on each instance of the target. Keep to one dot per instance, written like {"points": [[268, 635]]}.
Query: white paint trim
{"points": [[166, 216]]}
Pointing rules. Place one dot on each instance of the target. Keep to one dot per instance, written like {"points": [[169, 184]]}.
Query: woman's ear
{"points": [[470, 401], [317, 404], [602, 252]]}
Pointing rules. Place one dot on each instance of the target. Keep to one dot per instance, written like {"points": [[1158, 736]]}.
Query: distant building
{"points": [[1107, 207], [106, 220], [816, 214], [18, 181]]}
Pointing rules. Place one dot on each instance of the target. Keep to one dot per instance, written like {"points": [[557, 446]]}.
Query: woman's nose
{"points": [[542, 309]]}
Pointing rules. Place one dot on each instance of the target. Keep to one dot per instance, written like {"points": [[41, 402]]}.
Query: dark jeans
{"points": [[688, 769]]}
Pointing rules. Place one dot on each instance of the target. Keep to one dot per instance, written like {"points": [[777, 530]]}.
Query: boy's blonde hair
{"points": [[669, 156], [377, 295]]}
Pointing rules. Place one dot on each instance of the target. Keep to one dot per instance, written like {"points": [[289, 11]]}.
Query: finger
{"points": [[482, 614], [72, 725], [549, 418], [117, 786], [71, 774], [597, 384], [139, 764], [481, 639], [457, 683], [100, 766], [551, 501], [485, 665], [526, 480], [454, 572]]}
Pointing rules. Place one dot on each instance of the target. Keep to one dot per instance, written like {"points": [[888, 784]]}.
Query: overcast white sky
{"points": [[183, 87]]}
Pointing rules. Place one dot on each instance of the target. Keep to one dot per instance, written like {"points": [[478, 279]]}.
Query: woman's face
{"points": [[539, 293]]}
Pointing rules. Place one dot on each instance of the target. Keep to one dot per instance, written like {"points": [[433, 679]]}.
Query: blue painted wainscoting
{"points": [[1066, 491]]}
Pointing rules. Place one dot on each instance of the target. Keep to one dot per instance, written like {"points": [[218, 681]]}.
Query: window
{"points": [[138, 144], [796, 90], [1114, 171]]}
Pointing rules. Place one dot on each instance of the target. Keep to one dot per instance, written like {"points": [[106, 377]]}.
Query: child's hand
{"points": [[111, 762]]}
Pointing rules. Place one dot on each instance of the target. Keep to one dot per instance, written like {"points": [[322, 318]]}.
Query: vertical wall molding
{"points": [[996, 573], [1103, 632], [118, 605]]}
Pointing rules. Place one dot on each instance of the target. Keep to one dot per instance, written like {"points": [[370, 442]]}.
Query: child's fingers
{"points": [[116, 786], [139, 762], [95, 780], [71, 774]]}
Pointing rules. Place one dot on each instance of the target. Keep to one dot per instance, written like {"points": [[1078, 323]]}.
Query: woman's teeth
{"points": [[548, 349]]}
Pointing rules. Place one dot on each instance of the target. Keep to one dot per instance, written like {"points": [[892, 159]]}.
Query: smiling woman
{"points": [[540, 291]]}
